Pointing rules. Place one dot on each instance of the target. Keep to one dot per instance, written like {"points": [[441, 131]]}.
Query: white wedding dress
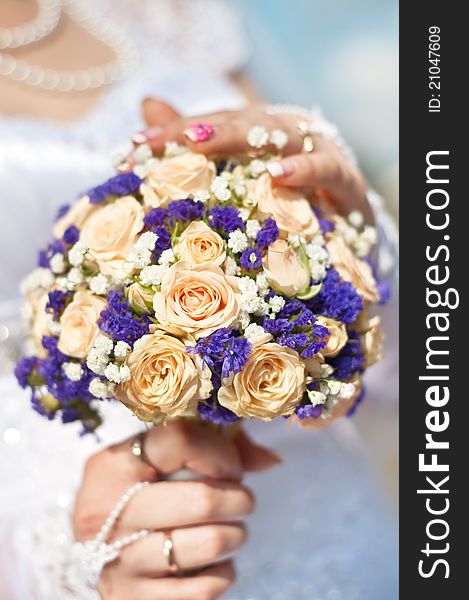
{"points": [[322, 530]]}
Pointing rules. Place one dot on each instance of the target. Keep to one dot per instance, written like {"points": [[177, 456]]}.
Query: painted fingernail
{"points": [[200, 132], [142, 137], [280, 168]]}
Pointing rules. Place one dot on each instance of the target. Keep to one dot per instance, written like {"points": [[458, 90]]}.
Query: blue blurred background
{"points": [[341, 55]]}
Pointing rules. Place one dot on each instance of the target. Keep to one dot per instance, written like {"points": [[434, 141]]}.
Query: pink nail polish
{"points": [[200, 132], [280, 168]]}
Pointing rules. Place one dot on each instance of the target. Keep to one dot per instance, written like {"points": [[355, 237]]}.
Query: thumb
{"points": [[157, 113], [253, 456]]}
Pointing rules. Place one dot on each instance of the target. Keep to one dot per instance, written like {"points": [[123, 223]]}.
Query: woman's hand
{"points": [[325, 170], [205, 516]]}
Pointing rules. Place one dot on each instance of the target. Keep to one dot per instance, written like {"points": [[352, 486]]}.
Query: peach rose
{"points": [[140, 298], [164, 379], [40, 321], [285, 273], [199, 299], [372, 341], [271, 384], [337, 335], [78, 324], [290, 209], [198, 244], [351, 268], [176, 178], [341, 409], [111, 233], [77, 215]]}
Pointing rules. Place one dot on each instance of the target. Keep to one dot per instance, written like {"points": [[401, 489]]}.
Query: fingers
{"points": [[170, 504], [185, 444], [194, 548], [156, 112], [208, 585], [253, 456]]}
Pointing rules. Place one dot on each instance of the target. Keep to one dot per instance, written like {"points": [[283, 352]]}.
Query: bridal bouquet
{"points": [[198, 288]]}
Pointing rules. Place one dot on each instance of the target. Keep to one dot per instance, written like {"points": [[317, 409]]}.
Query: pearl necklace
{"points": [[66, 81]]}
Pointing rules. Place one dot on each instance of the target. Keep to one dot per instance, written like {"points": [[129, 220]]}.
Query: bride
{"points": [[321, 530]]}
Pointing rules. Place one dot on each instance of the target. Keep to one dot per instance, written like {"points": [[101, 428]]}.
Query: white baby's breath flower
{"points": [[57, 263], [39, 278], [174, 149], [74, 278], [244, 213], [252, 228], [167, 257], [97, 361], [262, 284], [247, 286], [355, 218], [362, 247], [257, 167], [103, 344], [294, 240], [370, 234], [219, 189], [276, 304], [231, 266], [237, 241], [318, 271], [76, 254], [258, 136], [124, 373], [54, 328], [101, 389], [142, 153], [117, 374], [244, 319], [62, 284], [326, 370], [152, 275], [254, 332], [316, 398], [347, 391], [278, 138], [147, 240], [334, 387], [99, 284], [350, 234], [121, 349], [73, 371], [139, 257], [201, 196]]}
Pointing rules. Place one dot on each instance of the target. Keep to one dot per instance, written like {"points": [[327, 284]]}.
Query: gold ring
{"points": [[168, 552]]}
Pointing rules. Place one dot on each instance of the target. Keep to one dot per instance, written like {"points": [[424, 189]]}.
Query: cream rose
{"points": [[140, 298], [40, 321], [199, 245], [290, 209], [78, 324], [337, 337], [176, 178], [372, 341], [199, 299], [77, 215], [271, 384], [284, 271], [111, 232], [351, 268], [164, 379]]}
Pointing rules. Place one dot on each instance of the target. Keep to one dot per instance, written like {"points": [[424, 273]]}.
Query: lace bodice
{"points": [[322, 530]]}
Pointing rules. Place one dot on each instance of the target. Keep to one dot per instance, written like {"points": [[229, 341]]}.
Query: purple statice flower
{"points": [[118, 185], [251, 259], [384, 291], [24, 368], [268, 234], [358, 400], [326, 226], [223, 164], [226, 219], [62, 211], [305, 319], [277, 326], [55, 247], [39, 407], [210, 410], [224, 352], [350, 359], [309, 411], [293, 306], [313, 348], [120, 322], [163, 242], [71, 235], [186, 210], [57, 302], [337, 299], [155, 218], [293, 340], [43, 259]]}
